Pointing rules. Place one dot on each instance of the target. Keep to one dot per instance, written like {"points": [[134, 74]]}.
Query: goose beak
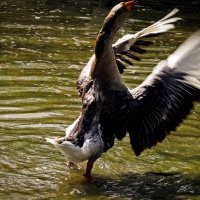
{"points": [[129, 5]]}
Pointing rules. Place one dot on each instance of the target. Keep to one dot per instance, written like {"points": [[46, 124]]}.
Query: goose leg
{"points": [[88, 169]]}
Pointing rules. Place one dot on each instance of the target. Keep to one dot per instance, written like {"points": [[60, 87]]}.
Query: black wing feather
{"points": [[166, 99]]}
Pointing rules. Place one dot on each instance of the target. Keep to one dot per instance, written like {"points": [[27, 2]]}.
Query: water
{"points": [[43, 47]]}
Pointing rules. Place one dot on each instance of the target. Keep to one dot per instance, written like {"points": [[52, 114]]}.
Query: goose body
{"points": [[110, 109]]}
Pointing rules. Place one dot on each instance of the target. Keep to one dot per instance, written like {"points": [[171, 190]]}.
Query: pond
{"points": [[43, 47]]}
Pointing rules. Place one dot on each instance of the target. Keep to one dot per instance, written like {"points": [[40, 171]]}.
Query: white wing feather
{"points": [[187, 59], [160, 26]]}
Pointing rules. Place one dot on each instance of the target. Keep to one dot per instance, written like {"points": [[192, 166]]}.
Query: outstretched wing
{"points": [[166, 97], [128, 45]]}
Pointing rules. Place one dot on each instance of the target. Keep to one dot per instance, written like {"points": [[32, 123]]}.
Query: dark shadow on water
{"points": [[142, 186]]}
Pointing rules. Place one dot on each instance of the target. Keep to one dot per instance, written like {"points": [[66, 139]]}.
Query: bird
{"points": [[110, 110]]}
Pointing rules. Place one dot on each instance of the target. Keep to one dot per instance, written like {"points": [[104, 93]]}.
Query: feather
{"points": [[166, 96]]}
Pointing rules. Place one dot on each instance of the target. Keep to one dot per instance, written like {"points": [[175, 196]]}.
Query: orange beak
{"points": [[129, 5]]}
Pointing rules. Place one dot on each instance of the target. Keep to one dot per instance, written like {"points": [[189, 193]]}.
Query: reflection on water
{"points": [[43, 47]]}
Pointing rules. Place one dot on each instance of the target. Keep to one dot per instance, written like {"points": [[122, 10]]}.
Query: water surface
{"points": [[43, 47]]}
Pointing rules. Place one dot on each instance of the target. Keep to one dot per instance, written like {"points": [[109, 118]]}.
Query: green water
{"points": [[43, 47]]}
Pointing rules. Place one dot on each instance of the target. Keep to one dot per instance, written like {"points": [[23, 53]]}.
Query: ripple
{"points": [[28, 116], [10, 109], [37, 126], [22, 101], [22, 26]]}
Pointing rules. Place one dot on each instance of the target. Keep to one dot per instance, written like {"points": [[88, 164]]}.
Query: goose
{"points": [[110, 110]]}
